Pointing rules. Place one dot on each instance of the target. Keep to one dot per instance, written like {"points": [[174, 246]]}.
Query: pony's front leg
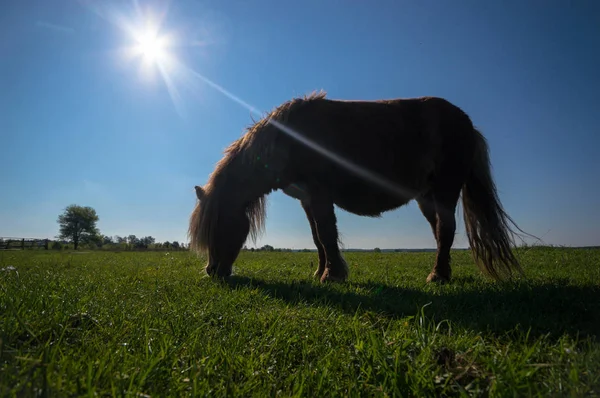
{"points": [[313, 228], [335, 268]]}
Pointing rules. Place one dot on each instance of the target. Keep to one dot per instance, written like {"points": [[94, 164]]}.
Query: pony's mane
{"points": [[258, 130], [257, 138]]}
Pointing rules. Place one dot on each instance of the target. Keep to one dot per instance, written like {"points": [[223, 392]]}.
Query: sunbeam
{"points": [[347, 164], [151, 44]]}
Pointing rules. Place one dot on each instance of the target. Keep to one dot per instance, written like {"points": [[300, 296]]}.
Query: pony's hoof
{"points": [[437, 278], [319, 273], [328, 276]]}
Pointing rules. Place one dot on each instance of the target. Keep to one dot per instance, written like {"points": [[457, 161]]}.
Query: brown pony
{"points": [[366, 157]]}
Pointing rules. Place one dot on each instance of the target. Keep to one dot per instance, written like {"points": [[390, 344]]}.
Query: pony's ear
{"points": [[199, 192]]}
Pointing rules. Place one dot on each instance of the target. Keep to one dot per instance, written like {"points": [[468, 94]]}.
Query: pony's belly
{"points": [[355, 197], [368, 203]]}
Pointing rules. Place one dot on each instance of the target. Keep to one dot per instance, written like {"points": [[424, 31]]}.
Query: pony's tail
{"points": [[486, 222]]}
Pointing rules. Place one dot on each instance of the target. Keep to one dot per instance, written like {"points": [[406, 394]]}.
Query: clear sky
{"points": [[82, 122]]}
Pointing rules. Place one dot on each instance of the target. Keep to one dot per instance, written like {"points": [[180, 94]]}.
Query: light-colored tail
{"points": [[486, 222]]}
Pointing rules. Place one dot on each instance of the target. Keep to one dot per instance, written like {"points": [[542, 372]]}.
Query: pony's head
{"points": [[220, 224], [232, 203], [218, 228]]}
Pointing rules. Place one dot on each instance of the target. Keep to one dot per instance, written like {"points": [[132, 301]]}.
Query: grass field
{"points": [[152, 324]]}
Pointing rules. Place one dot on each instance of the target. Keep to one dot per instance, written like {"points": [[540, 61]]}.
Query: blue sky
{"points": [[82, 123]]}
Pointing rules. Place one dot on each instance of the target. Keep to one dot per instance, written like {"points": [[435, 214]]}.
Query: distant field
{"points": [[151, 324]]}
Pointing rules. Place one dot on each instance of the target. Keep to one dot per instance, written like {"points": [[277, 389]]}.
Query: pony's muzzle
{"points": [[218, 270]]}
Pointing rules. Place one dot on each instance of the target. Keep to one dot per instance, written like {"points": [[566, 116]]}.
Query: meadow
{"points": [[152, 324]]}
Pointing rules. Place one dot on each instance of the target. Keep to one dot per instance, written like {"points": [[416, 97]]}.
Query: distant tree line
{"points": [[269, 248], [265, 248], [78, 229], [128, 243]]}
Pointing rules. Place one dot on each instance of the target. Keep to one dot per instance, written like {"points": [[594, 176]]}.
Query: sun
{"points": [[151, 46]]}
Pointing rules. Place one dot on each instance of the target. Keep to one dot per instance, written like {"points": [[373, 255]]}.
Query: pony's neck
{"points": [[244, 180]]}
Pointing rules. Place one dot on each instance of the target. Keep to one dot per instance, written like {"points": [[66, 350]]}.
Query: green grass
{"points": [[152, 324]]}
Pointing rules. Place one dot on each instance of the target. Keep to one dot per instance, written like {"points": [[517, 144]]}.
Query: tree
{"points": [[93, 239], [146, 241], [78, 223], [132, 240]]}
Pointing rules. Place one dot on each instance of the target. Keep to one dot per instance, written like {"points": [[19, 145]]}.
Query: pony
{"points": [[366, 157]]}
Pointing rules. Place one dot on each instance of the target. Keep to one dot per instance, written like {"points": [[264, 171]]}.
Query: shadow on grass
{"points": [[554, 307]]}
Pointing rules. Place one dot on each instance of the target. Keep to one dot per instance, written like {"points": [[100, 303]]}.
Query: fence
{"points": [[23, 243]]}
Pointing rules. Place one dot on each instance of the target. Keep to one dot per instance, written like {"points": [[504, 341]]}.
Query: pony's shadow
{"points": [[551, 308]]}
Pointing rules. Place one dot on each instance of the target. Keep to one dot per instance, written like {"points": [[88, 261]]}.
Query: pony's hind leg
{"points": [[445, 200], [325, 221], [313, 228]]}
